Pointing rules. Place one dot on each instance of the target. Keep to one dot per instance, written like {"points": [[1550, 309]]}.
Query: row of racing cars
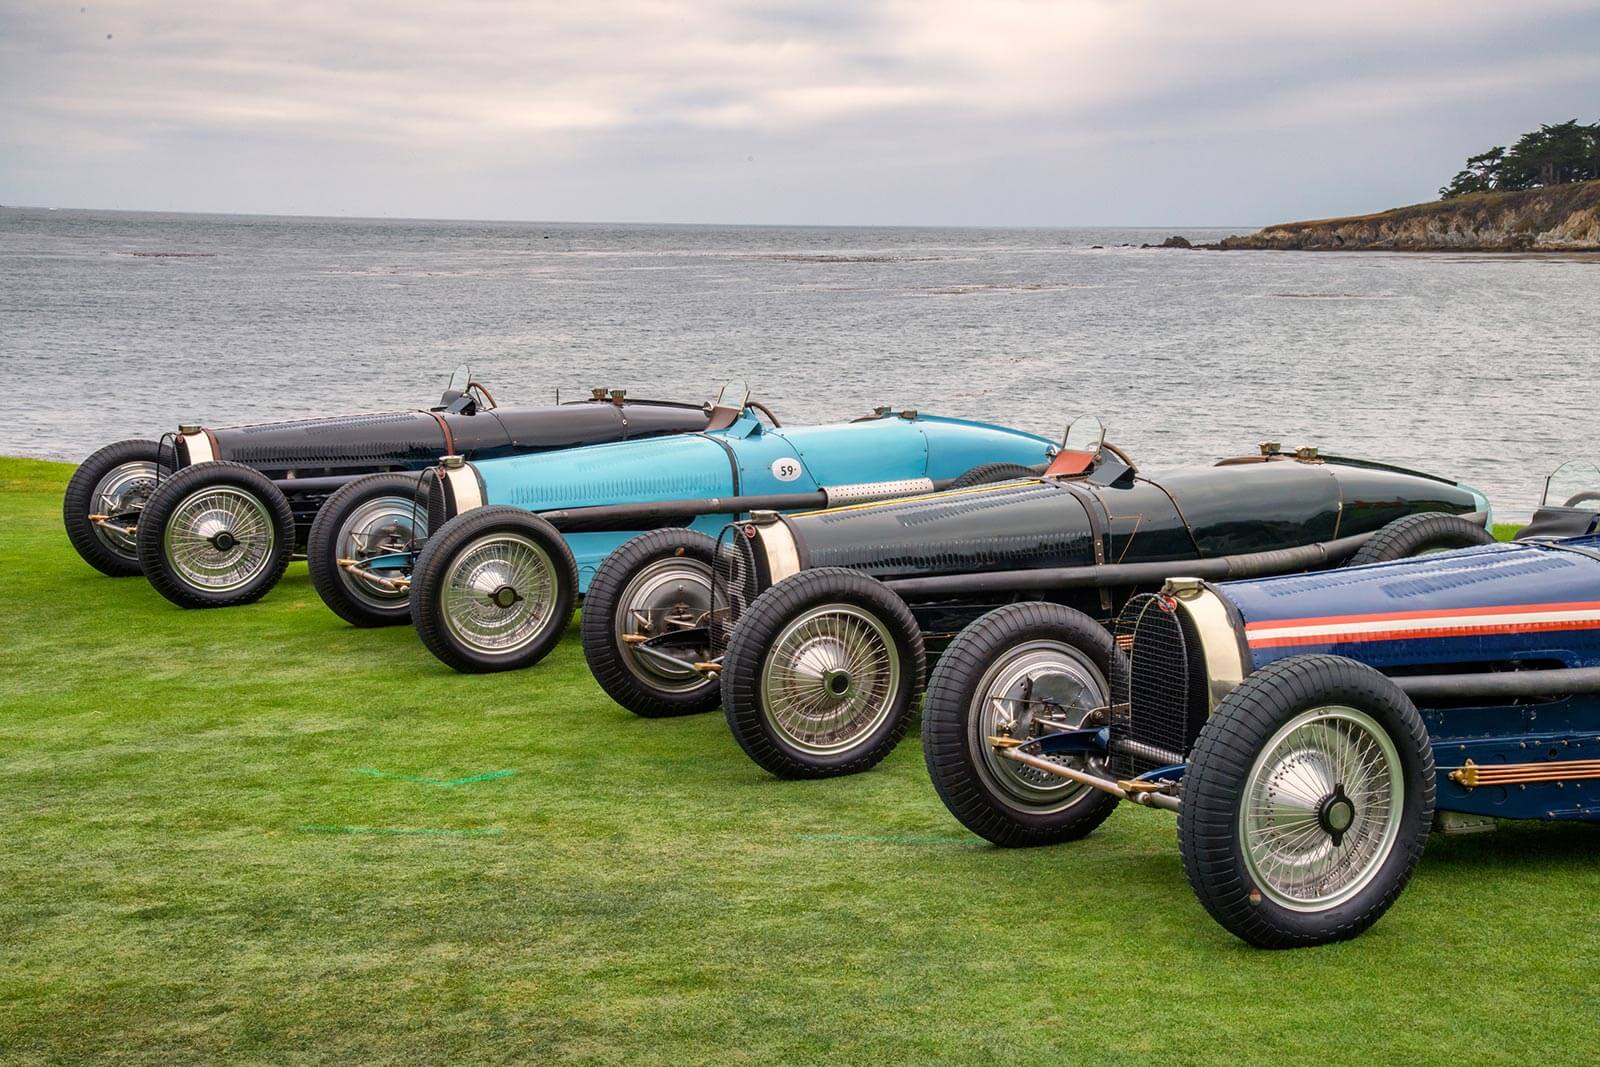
{"points": [[1313, 661]]}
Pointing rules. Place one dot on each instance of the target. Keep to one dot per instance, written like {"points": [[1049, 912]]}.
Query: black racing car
{"points": [[212, 515], [823, 620]]}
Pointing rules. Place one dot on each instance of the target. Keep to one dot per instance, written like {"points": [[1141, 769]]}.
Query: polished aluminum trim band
{"points": [[463, 487], [199, 447], [1219, 640], [783, 555]]}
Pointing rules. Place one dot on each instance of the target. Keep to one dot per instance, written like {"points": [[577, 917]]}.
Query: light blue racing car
{"points": [[513, 541]]}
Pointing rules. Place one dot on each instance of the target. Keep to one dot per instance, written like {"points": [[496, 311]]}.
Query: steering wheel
{"points": [[1582, 498], [759, 406]]}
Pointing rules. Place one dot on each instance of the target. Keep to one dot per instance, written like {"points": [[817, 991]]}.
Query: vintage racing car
{"points": [[514, 540], [213, 515], [831, 612], [1308, 730]]}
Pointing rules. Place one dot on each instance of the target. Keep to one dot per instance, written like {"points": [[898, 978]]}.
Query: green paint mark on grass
{"points": [[441, 783], [891, 839], [400, 831]]}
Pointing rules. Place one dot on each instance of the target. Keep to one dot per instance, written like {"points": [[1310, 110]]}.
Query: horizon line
{"points": [[623, 222]]}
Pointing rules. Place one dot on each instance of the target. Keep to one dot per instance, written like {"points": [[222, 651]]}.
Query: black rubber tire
{"points": [[606, 660], [76, 505], [173, 492], [427, 580], [322, 551], [990, 473], [1213, 785], [946, 711], [752, 640], [1413, 535]]}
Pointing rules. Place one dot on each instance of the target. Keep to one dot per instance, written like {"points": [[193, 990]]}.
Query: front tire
{"points": [[372, 516], [1306, 802], [820, 674], [493, 590], [654, 584], [114, 482], [216, 535], [1010, 665], [1420, 535]]}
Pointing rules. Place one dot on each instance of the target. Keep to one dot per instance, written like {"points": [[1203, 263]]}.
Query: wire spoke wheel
{"points": [[830, 679], [382, 526], [668, 596], [121, 494], [1321, 808], [220, 539], [1032, 681], [499, 593]]}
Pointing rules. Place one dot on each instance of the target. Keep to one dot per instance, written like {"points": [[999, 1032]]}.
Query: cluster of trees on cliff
{"points": [[1550, 155]]}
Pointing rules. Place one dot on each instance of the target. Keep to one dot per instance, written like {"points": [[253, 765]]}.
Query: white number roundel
{"points": [[786, 469]]}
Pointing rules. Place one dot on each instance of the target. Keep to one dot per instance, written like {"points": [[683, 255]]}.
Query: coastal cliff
{"points": [[1558, 218]]}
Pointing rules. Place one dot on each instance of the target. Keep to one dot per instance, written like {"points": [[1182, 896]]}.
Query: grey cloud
{"points": [[1009, 111]]}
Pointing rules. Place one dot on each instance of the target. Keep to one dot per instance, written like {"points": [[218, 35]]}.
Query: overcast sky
{"points": [[1005, 112]]}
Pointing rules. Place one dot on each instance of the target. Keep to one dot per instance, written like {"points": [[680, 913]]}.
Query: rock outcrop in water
{"points": [[1559, 218]]}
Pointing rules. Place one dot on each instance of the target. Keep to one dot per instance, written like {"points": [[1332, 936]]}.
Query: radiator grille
{"points": [[430, 488], [1163, 685], [734, 583]]}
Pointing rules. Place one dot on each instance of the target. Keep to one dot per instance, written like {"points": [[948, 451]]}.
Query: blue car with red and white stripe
{"points": [[1309, 731]]}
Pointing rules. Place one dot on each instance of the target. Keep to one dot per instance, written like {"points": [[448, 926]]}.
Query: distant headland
{"points": [[1540, 195], [1562, 218]]}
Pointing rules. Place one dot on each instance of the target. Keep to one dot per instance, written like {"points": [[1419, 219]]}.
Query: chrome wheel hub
{"points": [[666, 597], [379, 527], [1321, 808], [219, 539], [1037, 680], [830, 679], [121, 495], [499, 593]]}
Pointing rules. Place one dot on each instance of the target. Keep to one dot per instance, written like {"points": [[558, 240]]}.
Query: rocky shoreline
{"points": [[1560, 218]]}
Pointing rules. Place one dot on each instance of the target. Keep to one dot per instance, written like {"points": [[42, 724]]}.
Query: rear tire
{"points": [[1306, 802], [641, 588], [216, 535], [493, 590], [977, 687], [1419, 535], [371, 516], [117, 481], [820, 674], [992, 473]]}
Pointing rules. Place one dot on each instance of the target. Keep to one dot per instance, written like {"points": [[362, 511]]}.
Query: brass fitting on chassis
{"points": [[354, 567], [1146, 793]]}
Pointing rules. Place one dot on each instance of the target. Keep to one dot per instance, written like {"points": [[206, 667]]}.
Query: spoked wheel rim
{"points": [[1321, 808], [666, 596], [499, 594], [220, 539], [830, 679], [122, 492], [1049, 679], [379, 527]]}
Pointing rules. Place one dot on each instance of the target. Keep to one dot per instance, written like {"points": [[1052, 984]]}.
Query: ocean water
{"points": [[1478, 367]]}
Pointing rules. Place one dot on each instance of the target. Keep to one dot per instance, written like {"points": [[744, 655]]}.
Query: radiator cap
{"points": [[189, 429], [1184, 588], [452, 463], [763, 518]]}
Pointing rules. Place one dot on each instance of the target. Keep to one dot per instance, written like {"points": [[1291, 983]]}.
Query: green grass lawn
{"points": [[261, 834]]}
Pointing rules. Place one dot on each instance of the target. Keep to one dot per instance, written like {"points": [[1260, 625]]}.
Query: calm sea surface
{"points": [[1479, 367]]}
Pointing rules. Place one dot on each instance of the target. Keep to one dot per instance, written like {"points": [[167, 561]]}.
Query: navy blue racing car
{"points": [[1309, 731]]}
